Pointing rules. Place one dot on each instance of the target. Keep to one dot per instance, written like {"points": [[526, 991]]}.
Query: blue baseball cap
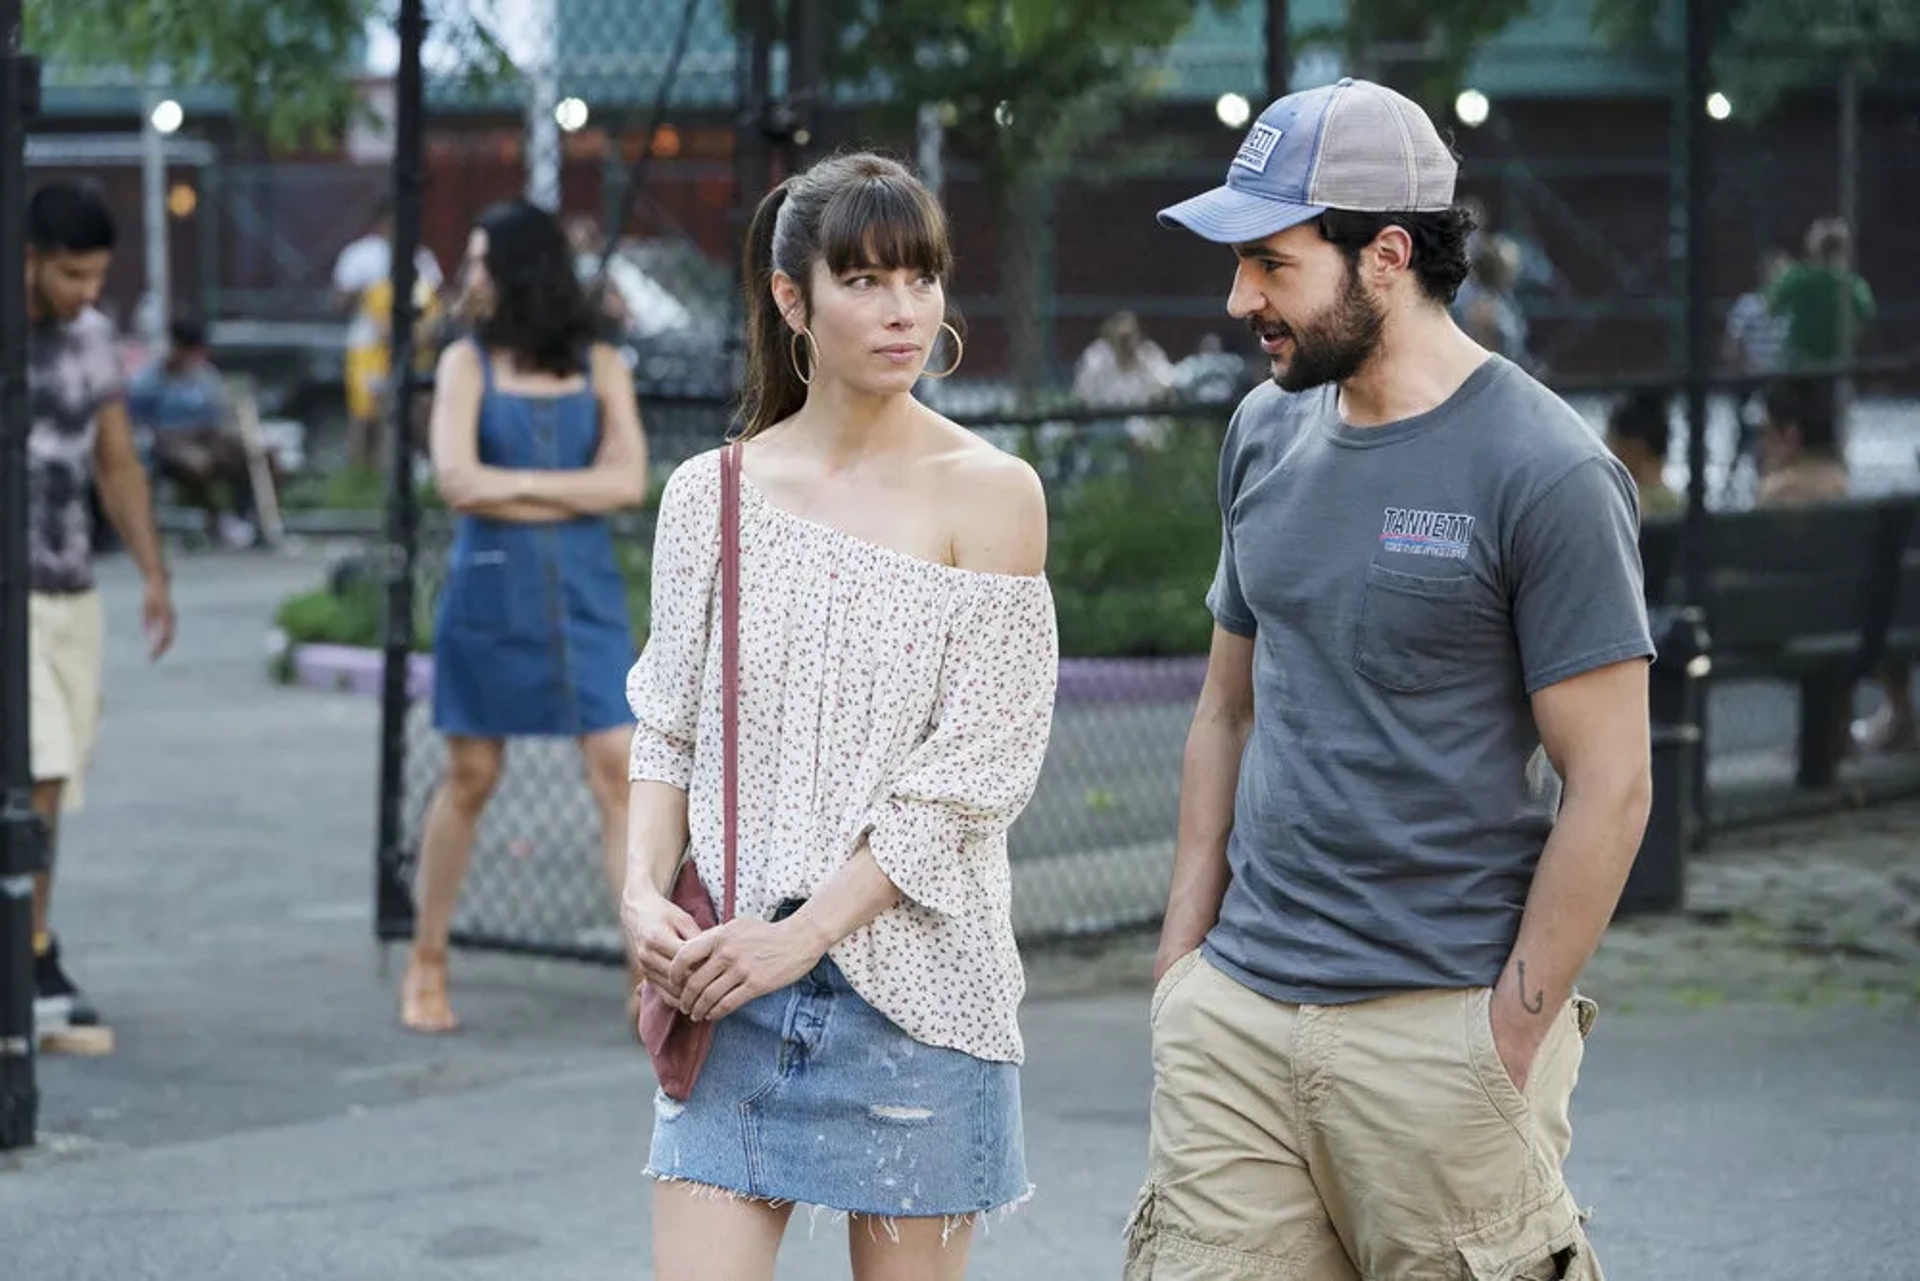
{"points": [[1354, 145]]}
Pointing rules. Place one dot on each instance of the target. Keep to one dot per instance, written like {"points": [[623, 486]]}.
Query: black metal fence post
{"points": [[803, 81], [22, 841], [1279, 51], [393, 900], [1697, 328]]}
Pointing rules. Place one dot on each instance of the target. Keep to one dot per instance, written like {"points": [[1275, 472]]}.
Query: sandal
{"points": [[423, 995]]}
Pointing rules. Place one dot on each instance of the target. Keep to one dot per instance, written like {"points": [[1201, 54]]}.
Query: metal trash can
{"points": [[1676, 696]]}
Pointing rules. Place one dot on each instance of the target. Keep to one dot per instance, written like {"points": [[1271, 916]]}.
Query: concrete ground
{"points": [[1750, 1106]]}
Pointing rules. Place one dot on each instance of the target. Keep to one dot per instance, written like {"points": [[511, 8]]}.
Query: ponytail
{"points": [[857, 210], [773, 388]]}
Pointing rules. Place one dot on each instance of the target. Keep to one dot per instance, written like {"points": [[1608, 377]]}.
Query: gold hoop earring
{"points": [[813, 354], [959, 353]]}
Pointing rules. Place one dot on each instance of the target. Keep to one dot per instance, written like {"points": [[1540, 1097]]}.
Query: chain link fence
{"points": [[1134, 536], [1132, 489]]}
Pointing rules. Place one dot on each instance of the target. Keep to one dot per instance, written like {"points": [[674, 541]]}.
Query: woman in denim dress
{"points": [[536, 437], [897, 665]]}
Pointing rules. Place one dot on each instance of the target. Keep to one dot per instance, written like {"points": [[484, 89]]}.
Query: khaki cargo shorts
{"points": [[1382, 1140], [65, 634]]}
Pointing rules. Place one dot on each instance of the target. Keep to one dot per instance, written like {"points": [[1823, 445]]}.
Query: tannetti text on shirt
{"points": [[1422, 533]]}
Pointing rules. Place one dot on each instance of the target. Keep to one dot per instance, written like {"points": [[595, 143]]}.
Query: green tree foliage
{"points": [[1420, 47], [1026, 89], [1765, 49], [290, 67]]}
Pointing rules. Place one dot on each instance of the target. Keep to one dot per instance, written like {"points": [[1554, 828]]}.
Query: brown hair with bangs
{"points": [[860, 210]]}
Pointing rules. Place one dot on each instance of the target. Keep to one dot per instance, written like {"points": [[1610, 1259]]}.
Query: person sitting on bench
{"points": [[180, 401], [1800, 458]]}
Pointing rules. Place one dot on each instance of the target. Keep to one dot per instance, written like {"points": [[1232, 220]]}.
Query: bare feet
{"points": [[423, 995]]}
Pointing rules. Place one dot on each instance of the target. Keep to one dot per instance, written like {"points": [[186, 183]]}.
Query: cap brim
{"points": [[1230, 217]]}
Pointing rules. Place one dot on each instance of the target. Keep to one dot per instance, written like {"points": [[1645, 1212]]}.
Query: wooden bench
{"points": [[1804, 594]]}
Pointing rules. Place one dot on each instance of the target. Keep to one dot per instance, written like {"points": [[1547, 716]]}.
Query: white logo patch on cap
{"points": [[1258, 148]]}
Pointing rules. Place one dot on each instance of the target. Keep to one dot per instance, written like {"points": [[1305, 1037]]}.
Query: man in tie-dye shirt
{"points": [[80, 439]]}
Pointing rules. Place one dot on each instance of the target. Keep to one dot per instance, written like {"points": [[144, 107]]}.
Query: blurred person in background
{"points": [[1486, 306], [1755, 333], [1800, 463], [363, 285], [179, 402], [79, 436], [1123, 368], [1637, 432], [1812, 297], [1799, 455], [536, 440]]}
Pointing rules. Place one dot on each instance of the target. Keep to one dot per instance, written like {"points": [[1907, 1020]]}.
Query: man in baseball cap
{"points": [[1365, 1026]]}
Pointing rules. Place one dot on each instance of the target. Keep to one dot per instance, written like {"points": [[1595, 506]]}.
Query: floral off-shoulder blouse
{"points": [[884, 699]]}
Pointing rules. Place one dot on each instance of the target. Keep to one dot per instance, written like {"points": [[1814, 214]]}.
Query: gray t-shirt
{"points": [[1408, 587]]}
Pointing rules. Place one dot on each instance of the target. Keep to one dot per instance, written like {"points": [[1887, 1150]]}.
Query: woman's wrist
{"points": [[809, 932]]}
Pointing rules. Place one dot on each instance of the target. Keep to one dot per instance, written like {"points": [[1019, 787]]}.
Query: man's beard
{"points": [[1333, 346]]}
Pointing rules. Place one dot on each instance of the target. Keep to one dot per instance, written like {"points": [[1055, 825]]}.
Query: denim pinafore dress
{"points": [[532, 634]]}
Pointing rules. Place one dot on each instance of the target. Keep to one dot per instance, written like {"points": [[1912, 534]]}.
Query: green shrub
{"points": [[1132, 551], [353, 615]]}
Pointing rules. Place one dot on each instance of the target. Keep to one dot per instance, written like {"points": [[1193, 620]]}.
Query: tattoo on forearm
{"points": [[1538, 1002]]}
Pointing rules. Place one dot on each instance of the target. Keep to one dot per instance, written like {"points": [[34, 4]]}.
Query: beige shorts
{"points": [[1382, 1140], [64, 638]]}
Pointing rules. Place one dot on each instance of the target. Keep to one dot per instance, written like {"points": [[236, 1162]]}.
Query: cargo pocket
{"points": [[1413, 632], [1543, 1242], [1143, 1232]]}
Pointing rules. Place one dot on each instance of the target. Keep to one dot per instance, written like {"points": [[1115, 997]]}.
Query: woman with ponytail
{"points": [[897, 657]]}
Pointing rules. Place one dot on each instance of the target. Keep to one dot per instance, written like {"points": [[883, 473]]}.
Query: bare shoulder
{"points": [[609, 366], [460, 361], [998, 505]]}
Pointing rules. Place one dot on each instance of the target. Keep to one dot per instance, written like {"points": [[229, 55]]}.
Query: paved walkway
{"points": [[1750, 1106]]}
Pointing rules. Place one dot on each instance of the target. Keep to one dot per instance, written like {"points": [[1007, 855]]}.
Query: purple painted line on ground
{"points": [[354, 669]]}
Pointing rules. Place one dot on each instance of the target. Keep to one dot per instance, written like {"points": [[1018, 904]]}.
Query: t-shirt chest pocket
{"points": [[1414, 632]]}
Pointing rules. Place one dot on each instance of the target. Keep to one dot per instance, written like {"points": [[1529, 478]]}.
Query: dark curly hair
{"points": [[1439, 243], [541, 314]]}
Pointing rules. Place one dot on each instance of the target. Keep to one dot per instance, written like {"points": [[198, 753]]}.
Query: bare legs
{"points": [[47, 794], [908, 1249], [703, 1235], [446, 848]]}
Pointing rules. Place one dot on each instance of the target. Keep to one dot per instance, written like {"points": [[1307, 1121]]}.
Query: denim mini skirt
{"points": [[810, 1095]]}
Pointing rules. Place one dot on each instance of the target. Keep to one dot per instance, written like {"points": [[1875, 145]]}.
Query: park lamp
{"points": [[570, 114], [1472, 108], [167, 117]]}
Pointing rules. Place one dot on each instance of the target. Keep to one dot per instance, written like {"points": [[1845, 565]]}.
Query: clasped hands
{"points": [[708, 974]]}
